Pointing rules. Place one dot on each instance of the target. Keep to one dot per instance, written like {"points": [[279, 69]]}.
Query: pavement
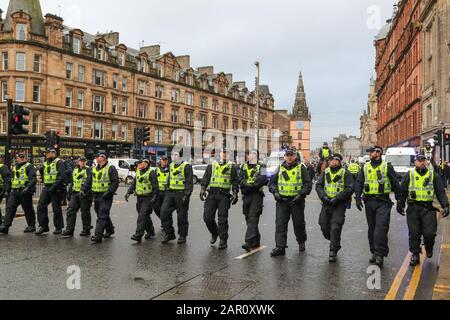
{"points": [[442, 287], [43, 267]]}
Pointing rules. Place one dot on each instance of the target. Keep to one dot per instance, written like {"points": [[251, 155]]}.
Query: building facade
{"points": [[399, 76], [94, 90], [369, 119], [349, 147], [282, 122], [435, 21], [300, 126]]}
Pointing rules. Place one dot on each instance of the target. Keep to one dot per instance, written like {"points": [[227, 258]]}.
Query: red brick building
{"points": [[399, 76]]}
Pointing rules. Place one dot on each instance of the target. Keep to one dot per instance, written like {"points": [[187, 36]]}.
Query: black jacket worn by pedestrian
{"points": [[234, 178], [113, 177], [307, 183], [153, 181], [6, 176], [343, 196], [188, 179], [260, 179], [439, 190], [30, 186], [60, 176], [392, 176]]}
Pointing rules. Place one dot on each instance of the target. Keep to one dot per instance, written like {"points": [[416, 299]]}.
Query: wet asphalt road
{"points": [[36, 267]]}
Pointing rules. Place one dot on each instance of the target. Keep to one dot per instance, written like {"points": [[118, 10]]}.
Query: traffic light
{"points": [[19, 120], [147, 135], [138, 138], [447, 139], [438, 138]]}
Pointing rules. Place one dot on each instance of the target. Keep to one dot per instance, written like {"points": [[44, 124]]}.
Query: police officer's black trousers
{"points": [[284, 211], [158, 205], [220, 203], [378, 214], [144, 221], [422, 221], [253, 204], [55, 198], [173, 201], [16, 199], [331, 222], [102, 208], [77, 203], [1, 200]]}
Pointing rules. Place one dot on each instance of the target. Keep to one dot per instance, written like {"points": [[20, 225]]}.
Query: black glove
{"points": [[69, 196], [359, 204], [298, 199], [154, 199], [326, 201], [107, 195], [334, 202], [234, 198], [185, 199], [277, 197], [127, 197], [446, 212], [82, 194], [401, 209], [203, 195]]}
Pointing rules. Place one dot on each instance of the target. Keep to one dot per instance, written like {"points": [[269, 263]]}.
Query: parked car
{"points": [[125, 168], [199, 172]]}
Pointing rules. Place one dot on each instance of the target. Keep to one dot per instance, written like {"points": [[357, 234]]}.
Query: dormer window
{"points": [[142, 65], [121, 59], [100, 53], [76, 46], [21, 32], [176, 76]]}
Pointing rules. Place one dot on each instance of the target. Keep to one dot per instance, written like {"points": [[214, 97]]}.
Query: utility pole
{"points": [[9, 112], [257, 106]]}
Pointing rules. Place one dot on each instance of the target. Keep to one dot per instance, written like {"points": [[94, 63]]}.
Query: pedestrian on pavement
{"points": [[419, 188], [80, 198], [252, 181], [145, 187], [22, 186], [54, 175], [104, 183], [373, 186], [178, 195], [162, 171], [335, 189], [290, 186], [220, 178], [5, 181]]}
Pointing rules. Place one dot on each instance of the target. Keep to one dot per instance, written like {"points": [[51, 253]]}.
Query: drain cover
{"points": [[207, 287]]}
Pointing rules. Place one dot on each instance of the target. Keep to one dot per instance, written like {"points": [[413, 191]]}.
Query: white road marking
{"points": [[246, 255]]}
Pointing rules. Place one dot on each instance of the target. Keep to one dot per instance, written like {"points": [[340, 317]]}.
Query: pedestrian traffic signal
{"points": [[19, 120], [147, 135]]}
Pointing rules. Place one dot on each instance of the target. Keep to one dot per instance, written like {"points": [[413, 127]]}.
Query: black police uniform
{"points": [[23, 197], [179, 201], [103, 202], [332, 216], [285, 208], [421, 216], [52, 193], [80, 201], [378, 210], [253, 203], [5, 189], [161, 194], [144, 206], [218, 200]]}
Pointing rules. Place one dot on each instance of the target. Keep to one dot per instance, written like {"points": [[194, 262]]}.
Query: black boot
{"points": [[181, 240], [96, 239], [85, 233], [4, 230], [333, 256], [30, 230], [223, 245], [246, 247], [109, 234], [429, 252], [302, 247], [67, 234], [379, 261], [150, 235], [277, 252], [136, 238], [415, 260], [57, 232], [42, 230], [214, 239], [168, 238], [373, 259]]}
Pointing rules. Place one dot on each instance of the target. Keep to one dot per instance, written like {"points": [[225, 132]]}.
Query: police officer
{"points": [[177, 197], [373, 186], [79, 198], [353, 167], [290, 185], [5, 176], [162, 172], [53, 173], [220, 178], [103, 183], [252, 180], [145, 187], [335, 189], [325, 152], [419, 188], [428, 152], [23, 186]]}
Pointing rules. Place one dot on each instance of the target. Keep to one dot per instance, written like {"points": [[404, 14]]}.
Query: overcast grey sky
{"points": [[330, 41]]}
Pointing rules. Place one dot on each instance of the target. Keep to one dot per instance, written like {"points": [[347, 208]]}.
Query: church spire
{"points": [[300, 111], [30, 7]]}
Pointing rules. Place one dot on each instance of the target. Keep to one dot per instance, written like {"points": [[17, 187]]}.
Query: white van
{"points": [[124, 167], [402, 159], [276, 159]]}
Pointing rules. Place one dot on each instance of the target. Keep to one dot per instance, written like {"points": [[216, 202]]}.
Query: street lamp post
{"points": [[256, 118]]}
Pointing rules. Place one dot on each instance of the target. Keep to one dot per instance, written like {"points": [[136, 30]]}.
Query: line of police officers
{"points": [[169, 188]]}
